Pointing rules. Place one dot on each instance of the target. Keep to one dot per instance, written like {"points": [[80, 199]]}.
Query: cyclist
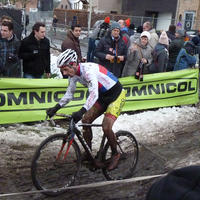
{"points": [[106, 95]]}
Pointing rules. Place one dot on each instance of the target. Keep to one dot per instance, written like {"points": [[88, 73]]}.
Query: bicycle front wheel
{"points": [[128, 148], [55, 164]]}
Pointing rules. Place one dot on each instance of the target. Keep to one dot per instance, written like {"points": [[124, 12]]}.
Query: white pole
{"points": [[89, 18]]}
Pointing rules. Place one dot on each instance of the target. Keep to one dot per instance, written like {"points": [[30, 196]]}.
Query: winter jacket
{"points": [[171, 36], [35, 55], [126, 37], [174, 48], [160, 59], [186, 57], [134, 37], [133, 59], [108, 45], [71, 42], [130, 32], [8, 53], [154, 38]]}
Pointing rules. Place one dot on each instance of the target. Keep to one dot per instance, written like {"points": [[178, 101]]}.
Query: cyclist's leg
{"points": [[112, 112], [88, 118]]}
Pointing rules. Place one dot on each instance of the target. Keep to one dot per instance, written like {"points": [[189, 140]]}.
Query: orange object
{"points": [[107, 20], [128, 22]]}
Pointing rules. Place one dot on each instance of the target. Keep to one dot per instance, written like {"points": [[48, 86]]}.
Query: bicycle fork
{"points": [[68, 147]]}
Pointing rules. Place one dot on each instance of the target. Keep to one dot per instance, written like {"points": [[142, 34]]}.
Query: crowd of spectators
{"points": [[118, 46], [166, 51]]}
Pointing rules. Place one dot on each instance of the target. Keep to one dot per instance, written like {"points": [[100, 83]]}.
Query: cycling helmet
{"points": [[67, 57]]}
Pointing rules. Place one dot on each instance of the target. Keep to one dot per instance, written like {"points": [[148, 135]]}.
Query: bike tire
{"points": [[49, 172], [129, 158]]}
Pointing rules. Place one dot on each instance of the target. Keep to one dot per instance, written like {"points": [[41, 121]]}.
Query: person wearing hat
{"points": [[104, 28], [179, 184], [186, 57], [95, 36], [138, 52], [174, 48], [124, 32], [111, 51], [160, 55]]}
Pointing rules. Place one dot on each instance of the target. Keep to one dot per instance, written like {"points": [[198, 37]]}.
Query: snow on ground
{"points": [[154, 127], [148, 127]]}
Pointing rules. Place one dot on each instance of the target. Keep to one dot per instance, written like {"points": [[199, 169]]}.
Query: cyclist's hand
{"points": [[52, 111], [77, 116]]}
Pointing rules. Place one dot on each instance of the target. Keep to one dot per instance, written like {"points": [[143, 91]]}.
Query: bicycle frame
{"points": [[74, 130]]}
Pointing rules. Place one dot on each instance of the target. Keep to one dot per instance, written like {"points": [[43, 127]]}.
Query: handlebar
{"points": [[68, 117]]}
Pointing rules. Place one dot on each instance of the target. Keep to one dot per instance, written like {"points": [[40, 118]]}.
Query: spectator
{"points": [[95, 36], [160, 55], [147, 26], [198, 48], [72, 41], [5, 18], [35, 52], [131, 30], [171, 33], [104, 28], [186, 58], [111, 51], [179, 184], [139, 51], [174, 48], [9, 61], [136, 35], [124, 34], [74, 21], [54, 24]]}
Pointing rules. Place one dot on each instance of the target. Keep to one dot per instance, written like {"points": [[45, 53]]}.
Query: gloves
{"points": [[77, 116], [52, 111]]}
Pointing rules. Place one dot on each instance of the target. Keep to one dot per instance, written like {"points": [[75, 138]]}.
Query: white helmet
{"points": [[66, 57]]}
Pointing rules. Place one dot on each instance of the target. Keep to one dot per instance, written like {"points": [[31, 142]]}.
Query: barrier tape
{"points": [[91, 185]]}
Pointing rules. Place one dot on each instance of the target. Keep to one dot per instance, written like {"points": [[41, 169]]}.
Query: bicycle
{"points": [[57, 160]]}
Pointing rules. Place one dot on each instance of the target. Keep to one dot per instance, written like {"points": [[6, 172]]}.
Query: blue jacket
{"points": [[186, 58]]}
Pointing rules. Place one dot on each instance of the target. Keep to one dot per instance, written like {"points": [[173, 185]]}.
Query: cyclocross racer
{"points": [[106, 95]]}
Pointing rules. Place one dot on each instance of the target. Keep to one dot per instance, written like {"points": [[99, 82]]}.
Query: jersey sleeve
{"points": [[68, 96]]}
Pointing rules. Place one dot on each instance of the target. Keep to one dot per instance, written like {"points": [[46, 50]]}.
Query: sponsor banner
{"points": [[23, 100]]}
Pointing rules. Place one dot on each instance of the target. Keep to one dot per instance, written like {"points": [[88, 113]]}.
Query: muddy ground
{"points": [[154, 159]]}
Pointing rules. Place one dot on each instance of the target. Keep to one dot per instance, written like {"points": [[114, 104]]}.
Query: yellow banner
{"points": [[23, 100]]}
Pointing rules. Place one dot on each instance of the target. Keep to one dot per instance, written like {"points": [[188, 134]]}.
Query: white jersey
{"points": [[94, 76]]}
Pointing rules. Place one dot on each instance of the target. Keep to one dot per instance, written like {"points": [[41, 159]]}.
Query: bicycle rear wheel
{"points": [[128, 147], [49, 169]]}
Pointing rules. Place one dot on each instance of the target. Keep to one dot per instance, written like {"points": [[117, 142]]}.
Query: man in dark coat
{"points": [[72, 41], [111, 51], [35, 52], [9, 46], [174, 48]]}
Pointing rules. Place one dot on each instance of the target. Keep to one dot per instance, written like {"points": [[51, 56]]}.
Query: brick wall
{"points": [[190, 6], [82, 16]]}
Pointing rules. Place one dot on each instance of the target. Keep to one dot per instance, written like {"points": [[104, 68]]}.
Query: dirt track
{"points": [[154, 159]]}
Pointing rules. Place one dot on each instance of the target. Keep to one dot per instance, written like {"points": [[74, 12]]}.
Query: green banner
{"points": [[23, 100]]}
